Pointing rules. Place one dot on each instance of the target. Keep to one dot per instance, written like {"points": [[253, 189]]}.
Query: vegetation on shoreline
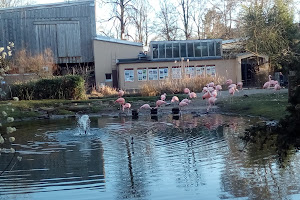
{"points": [[270, 106]]}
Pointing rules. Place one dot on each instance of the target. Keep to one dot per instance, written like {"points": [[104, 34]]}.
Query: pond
{"points": [[195, 157]]}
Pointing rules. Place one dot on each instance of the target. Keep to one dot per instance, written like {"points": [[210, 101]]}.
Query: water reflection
{"points": [[171, 158]]}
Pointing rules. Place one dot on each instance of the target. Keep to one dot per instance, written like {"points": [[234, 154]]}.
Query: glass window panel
{"points": [[155, 50], [204, 49], [183, 50], [211, 47], [162, 53], [176, 50], [197, 49], [218, 49], [190, 49], [168, 50]]}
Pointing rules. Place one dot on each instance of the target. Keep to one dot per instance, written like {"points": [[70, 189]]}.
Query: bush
{"points": [[65, 87]]}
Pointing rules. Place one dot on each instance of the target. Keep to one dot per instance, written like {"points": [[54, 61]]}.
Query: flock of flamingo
{"points": [[210, 93]]}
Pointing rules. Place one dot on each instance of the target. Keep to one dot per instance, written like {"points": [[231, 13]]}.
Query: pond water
{"points": [[195, 157]]}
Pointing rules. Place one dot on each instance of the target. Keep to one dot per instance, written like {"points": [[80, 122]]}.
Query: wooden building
{"points": [[66, 28]]}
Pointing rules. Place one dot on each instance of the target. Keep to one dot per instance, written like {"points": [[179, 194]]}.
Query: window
{"points": [[182, 49], [211, 70], [190, 71], [129, 75], [176, 72], [108, 78], [142, 74], [211, 48], [204, 49], [176, 50], [168, 50], [162, 53], [163, 73], [155, 50], [200, 70], [152, 74], [190, 49], [218, 49], [197, 49]]}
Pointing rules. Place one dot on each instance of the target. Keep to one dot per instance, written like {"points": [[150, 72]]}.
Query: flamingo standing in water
{"points": [[120, 101], [182, 104], [175, 99], [219, 88], [211, 101], [163, 96], [126, 105], [192, 95], [159, 103]]}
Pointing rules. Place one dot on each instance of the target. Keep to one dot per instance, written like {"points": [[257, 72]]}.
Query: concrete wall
{"points": [[226, 69], [106, 54]]}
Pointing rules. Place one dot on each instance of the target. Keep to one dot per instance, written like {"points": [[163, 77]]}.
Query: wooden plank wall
{"points": [[67, 28]]}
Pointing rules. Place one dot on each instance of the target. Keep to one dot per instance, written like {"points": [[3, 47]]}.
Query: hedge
{"points": [[62, 87]]}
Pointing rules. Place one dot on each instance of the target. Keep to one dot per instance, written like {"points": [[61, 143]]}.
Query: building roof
{"points": [[113, 40], [40, 6], [148, 60]]}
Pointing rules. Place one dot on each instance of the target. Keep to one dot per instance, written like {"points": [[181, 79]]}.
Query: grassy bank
{"points": [[271, 106], [43, 108]]}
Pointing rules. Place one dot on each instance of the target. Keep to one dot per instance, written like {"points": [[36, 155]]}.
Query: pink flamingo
{"points": [[126, 105], [159, 103], [266, 85], [205, 89], [277, 87], [206, 95], [192, 95], [120, 101], [211, 84], [211, 101], [231, 92], [145, 106], [175, 99], [219, 88], [214, 93], [240, 85], [163, 97], [182, 104], [186, 100], [120, 93], [186, 90], [229, 82]]}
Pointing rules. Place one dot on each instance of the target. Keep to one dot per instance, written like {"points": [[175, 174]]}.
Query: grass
{"points": [[270, 106]]}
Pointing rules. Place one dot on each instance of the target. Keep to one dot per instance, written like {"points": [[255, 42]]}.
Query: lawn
{"points": [[270, 106]]}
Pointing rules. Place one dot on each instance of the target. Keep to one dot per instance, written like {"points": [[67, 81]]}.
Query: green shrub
{"points": [[63, 87]]}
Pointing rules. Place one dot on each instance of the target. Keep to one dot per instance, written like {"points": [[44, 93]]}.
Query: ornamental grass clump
{"points": [[173, 86]]}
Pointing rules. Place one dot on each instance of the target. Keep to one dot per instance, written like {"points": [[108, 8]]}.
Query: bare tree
{"points": [[140, 20], [120, 15], [197, 16], [166, 25], [185, 6], [226, 9], [14, 3]]}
